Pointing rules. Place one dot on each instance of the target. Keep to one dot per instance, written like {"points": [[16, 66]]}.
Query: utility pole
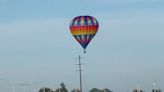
{"points": [[80, 70]]}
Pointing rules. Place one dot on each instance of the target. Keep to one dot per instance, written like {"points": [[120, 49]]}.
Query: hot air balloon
{"points": [[84, 28]]}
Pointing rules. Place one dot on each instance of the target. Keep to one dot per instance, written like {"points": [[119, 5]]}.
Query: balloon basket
{"points": [[84, 52]]}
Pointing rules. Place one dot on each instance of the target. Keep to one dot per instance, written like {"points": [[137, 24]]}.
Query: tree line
{"points": [[63, 88]]}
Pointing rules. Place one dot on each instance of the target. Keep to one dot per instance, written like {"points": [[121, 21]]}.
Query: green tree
{"points": [[100, 90], [62, 88], [95, 90], [137, 90], [75, 90], [46, 90], [156, 90], [106, 90]]}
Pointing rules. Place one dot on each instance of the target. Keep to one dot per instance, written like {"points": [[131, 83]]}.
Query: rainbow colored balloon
{"points": [[84, 28]]}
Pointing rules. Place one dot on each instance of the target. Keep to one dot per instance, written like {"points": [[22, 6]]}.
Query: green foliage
{"points": [[136, 90], [62, 88], [46, 90], [100, 90], [156, 90], [106, 90], [75, 90], [94, 90]]}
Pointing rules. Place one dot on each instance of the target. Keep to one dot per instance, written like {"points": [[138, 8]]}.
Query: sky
{"points": [[37, 48]]}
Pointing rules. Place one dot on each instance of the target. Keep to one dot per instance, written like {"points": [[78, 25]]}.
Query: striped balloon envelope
{"points": [[84, 28]]}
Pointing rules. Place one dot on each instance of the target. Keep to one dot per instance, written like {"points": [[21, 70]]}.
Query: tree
{"points": [[62, 88], [156, 90], [137, 90], [100, 90], [106, 90], [75, 90], [46, 90], [95, 90]]}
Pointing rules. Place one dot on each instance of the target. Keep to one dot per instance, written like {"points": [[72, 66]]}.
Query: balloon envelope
{"points": [[84, 28]]}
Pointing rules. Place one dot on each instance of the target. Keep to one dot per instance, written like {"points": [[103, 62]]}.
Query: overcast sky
{"points": [[36, 46]]}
